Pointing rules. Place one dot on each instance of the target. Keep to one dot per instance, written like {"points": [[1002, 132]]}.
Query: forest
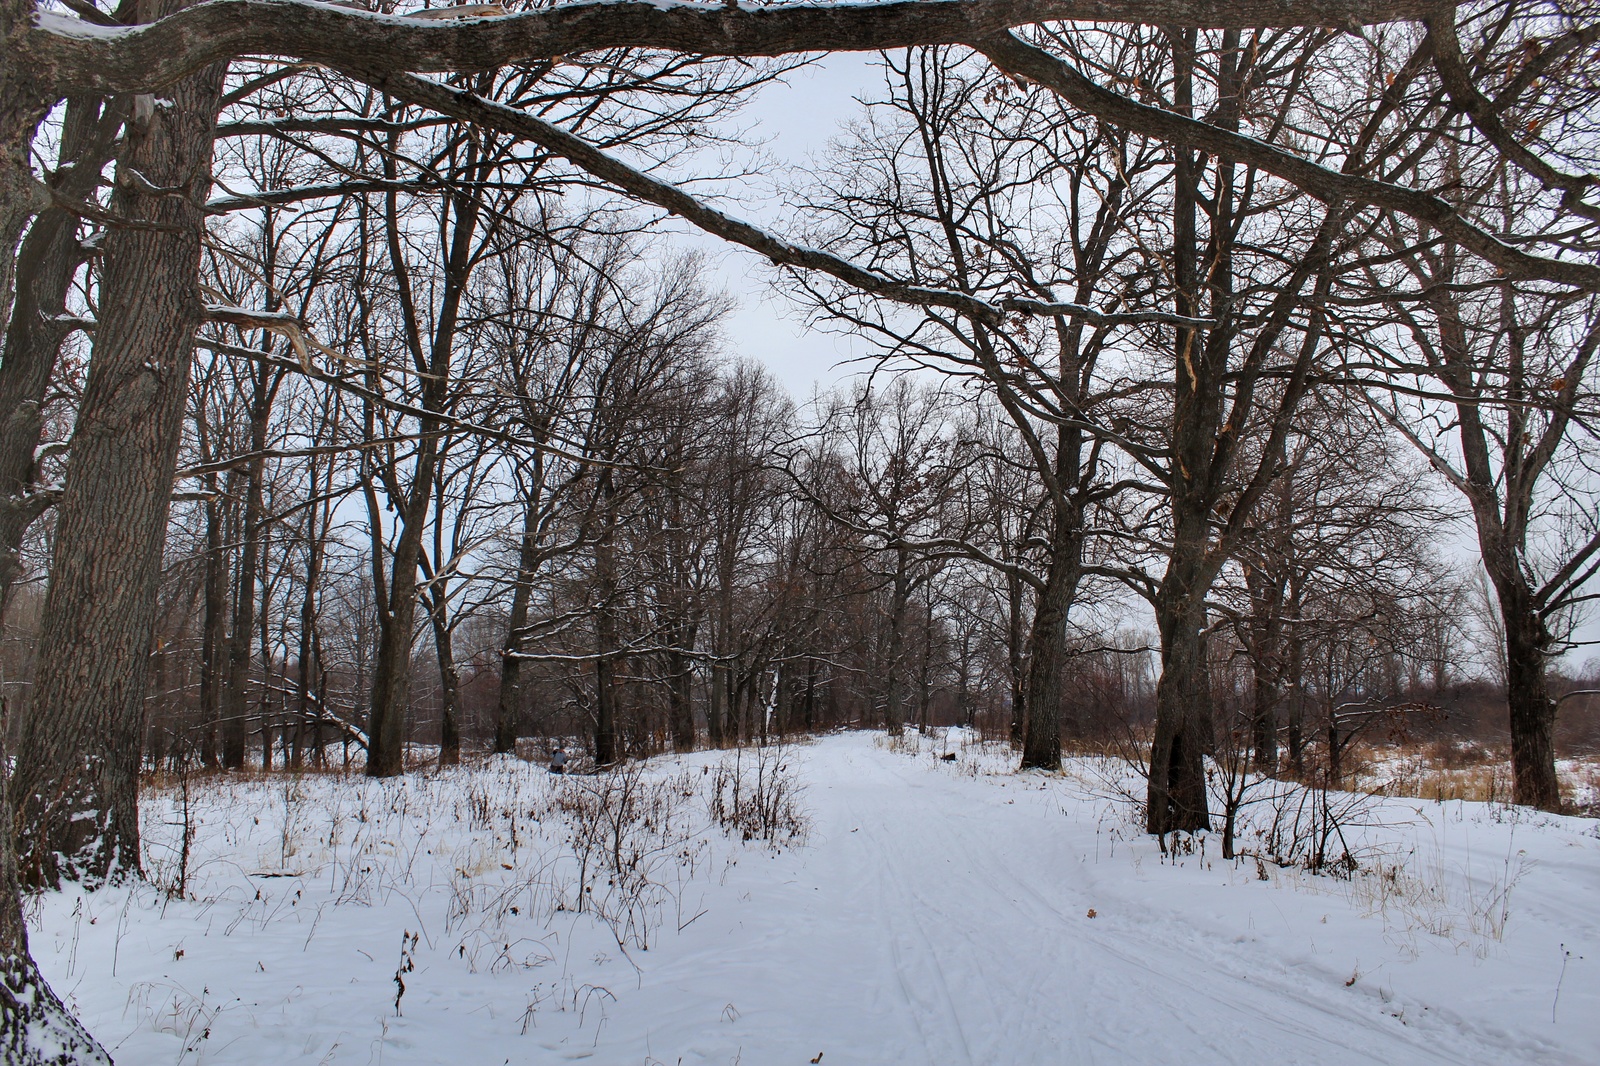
{"points": [[1228, 413]]}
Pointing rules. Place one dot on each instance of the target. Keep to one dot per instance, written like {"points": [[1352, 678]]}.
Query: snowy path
{"points": [[935, 921], [938, 915]]}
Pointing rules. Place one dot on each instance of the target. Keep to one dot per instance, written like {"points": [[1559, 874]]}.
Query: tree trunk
{"points": [[391, 676], [1041, 735], [236, 695], [606, 642], [214, 639], [45, 265], [1177, 787], [35, 1028], [76, 788], [1532, 711], [508, 709], [899, 600], [449, 683], [680, 693]]}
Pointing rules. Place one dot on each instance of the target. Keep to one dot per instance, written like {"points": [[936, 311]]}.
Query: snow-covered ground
{"points": [[940, 912]]}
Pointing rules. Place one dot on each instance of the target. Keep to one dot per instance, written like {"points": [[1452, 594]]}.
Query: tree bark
{"points": [[35, 1028], [45, 265], [508, 709], [1532, 711], [76, 788], [237, 691]]}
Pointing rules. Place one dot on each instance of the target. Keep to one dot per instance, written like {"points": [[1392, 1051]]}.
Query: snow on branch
{"points": [[72, 54]]}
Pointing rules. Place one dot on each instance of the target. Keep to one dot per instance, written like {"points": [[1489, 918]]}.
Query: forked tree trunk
{"points": [[80, 741], [391, 678]]}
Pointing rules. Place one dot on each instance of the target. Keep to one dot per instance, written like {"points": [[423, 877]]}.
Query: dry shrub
{"points": [[755, 794]]}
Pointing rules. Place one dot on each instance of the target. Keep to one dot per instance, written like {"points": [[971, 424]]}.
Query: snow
{"points": [[934, 912]]}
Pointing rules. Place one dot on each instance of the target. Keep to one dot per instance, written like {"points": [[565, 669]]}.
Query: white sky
{"points": [[794, 119]]}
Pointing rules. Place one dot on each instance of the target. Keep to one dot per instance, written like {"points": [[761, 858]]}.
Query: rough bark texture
{"points": [[76, 788], [1177, 788], [46, 263], [35, 1028], [1532, 711]]}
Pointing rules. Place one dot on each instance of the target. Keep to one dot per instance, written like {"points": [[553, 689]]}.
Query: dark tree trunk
{"points": [[45, 266], [680, 692], [1041, 739], [1177, 786], [1532, 711], [236, 694], [391, 676], [76, 789], [449, 684], [214, 639], [1176, 799], [35, 1028], [894, 689], [508, 709], [606, 642]]}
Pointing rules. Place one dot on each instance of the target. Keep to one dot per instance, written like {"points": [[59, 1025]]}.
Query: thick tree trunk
{"points": [[76, 789], [1041, 735], [35, 1028], [1177, 787], [1532, 711], [606, 640], [894, 689], [45, 265]]}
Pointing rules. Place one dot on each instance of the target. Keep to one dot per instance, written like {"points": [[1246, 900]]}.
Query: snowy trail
{"points": [[935, 918], [982, 927], [938, 914]]}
